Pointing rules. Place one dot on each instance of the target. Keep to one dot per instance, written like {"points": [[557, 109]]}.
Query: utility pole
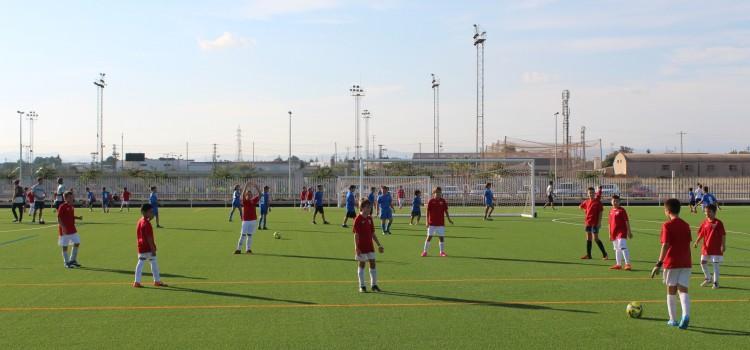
{"points": [[100, 84], [366, 117], [566, 130], [187, 156], [115, 157], [556, 115], [682, 165], [583, 146], [289, 184], [480, 37], [214, 157], [239, 144], [436, 116], [122, 150]]}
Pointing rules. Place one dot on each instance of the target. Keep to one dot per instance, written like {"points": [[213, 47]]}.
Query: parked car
{"points": [[567, 189], [609, 189], [642, 191]]}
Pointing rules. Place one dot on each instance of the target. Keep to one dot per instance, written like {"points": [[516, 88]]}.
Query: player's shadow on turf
{"points": [[451, 237], [172, 288], [189, 229], [324, 258], [556, 262], [130, 272], [706, 330], [481, 302]]}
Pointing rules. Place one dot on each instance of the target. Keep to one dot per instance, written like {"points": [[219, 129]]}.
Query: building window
{"points": [[732, 167], [687, 167], [665, 167], [710, 167]]}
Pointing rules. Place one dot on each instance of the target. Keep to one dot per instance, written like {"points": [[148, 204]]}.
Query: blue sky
{"points": [[183, 71]]}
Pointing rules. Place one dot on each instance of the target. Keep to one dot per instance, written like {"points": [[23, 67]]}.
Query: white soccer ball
{"points": [[634, 309], [277, 235]]}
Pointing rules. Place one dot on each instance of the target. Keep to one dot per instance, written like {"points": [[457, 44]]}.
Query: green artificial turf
{"points": [[510, 283]]}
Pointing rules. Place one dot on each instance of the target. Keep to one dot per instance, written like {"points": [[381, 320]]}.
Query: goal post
{"points": [[462, 181]]}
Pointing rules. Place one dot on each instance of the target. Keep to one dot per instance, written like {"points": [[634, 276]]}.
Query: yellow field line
{"points": [[409, 281], [355, 305]]}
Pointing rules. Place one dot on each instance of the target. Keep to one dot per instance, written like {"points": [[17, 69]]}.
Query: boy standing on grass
{"points": [[714, 239], [675, 258], [236, 201], [146, 247], [550, 196], [364, 251], [90, 199], [619, 232], [691, 197], [373, 196], [592, 222], [489, 202], [106, 199], [437, 211], [400, 195], [303, 198], [18, 200], [68, 235], [40, 195], [416, 207], [249, 218], [319, 205], [153, 199], [350, 205], [708, 199], [385, 205], [125, 199], [265, 208], [59, 194], [310, 196]]}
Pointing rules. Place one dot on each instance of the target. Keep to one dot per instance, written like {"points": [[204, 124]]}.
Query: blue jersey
{"points": [[90, 196], [708, 198], [488, 196], [153, 200], [385, 201], [371, 198], [416, 204], [105, 196], [350, 201], [691, 195], [236, 196], [265, 199], [319, 198]]}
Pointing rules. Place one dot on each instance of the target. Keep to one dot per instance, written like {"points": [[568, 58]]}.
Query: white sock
{"points": [[74, 254], [139, 270], [361, 276], [155, 269], [704, 268], [716, 272], [426, 245], [626, 255], [672, 307], [242, 240], [65, 256], [249, 242], [373, 277], [685, 303], [618, 255], [442, 247]]}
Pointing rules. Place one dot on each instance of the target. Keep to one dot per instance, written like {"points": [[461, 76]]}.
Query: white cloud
{"points": [[266, 9], [713, 55], [534, 78], [224, 41], [616, 44]]}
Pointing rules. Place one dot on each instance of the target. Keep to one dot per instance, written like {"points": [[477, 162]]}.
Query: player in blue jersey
{"points": [[265, 208], [708, 199], [373, 196], [489, 201], [153, 199], [691, 197], [385, 206], [90, 198], [416, 207], [236, 203], [318, 200], [106, 200], [351, 205]]}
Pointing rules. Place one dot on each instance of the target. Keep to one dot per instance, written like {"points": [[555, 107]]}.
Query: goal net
{"points": [[462, 181]]}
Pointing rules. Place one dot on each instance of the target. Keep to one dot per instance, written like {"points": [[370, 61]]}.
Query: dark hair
{"points": [[690, 188], [551, 182], [590, 188], [67, 193], [124, 188], [615, 196], [364, 202], [672, 205], [711, 207], [146, 207], [705, 188], [266, 187], [153, 188], [59, 180], [351, 187], [417, 192], [489, 184], [17, 181], [87, 189]]}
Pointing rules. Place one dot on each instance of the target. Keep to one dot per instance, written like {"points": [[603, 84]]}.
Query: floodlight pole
{"points": [[20, 144], [556, 115], [100, 84], [356, 91], [32, 116], [480, 37], [366, 117], [436, 115], [289, 184]]}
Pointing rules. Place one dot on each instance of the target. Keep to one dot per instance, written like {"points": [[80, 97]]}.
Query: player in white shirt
{"points": [[59, 193], [40, 195], [550, 196]]}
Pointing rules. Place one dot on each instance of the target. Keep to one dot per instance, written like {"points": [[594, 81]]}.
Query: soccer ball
{"points": [[634, 309], [277, 235]]}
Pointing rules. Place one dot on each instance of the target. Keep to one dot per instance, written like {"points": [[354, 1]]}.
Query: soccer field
{"points": [[509, 283]]}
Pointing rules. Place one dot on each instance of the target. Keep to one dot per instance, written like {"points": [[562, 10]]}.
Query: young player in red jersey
{"points": [[125, 203], [303, 198], [364, 251], [146, 247], [619, 232], [400, 195], [714, 243], [68, 235], [675, 258], [437, 211], [249, 217], [309, 199], [592, 222]]}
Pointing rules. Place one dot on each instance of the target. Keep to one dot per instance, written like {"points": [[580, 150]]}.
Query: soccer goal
{"points": [[462, 181]]}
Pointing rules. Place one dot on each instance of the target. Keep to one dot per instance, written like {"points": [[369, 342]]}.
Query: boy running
{"points": [[489, 202], [350, 205], [364, 251], [437, 211], [90, 198], [249, 218], [708, 199], [40, 194], [319, 205], [400, 195], [592, 222], [236, 202], [619, 232], [18, 200], [714, 238], [416, 207], [125, 199], [385, 203], [265, 208], [146, 247], [550, 196], [68, 235], [153, 199], [674, 257], [106, 200]]}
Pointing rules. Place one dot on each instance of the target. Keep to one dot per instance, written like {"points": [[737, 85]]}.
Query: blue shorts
{"points": [[236, 205], [263, 209], [489, 203], [386, 214], [416, 213], [155, 210], [592, 229]]}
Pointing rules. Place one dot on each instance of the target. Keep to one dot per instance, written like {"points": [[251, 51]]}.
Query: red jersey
{"points": [[303, 195], [30, 197], [593, 208], [618, 224], [145, 233], [310, 193], [677, 234], [401, 193], [248, 208], [436, 209], [66, 218], [126, 196], [364, 229], [713, 236]]}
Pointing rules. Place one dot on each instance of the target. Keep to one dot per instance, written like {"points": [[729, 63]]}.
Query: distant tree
{"points": [[221, 172], [324, 173], [46, 172], [51, 162], [278, 159], [90, 175], [609, 160]]}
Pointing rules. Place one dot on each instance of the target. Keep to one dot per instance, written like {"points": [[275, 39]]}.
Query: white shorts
{"points": [[248, 227], [66, 240], [713, 258], [436, 231], [675, 277], [125, 202], [365, 256], [145, 256], [620, 243]]}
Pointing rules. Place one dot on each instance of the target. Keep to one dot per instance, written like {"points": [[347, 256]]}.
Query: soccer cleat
{"points": [[375, 288], [160, 284], [362, 289], [74, 263], [615, 267], [586, 257], [315, 223], [265, 228], [424, 254], [605, 257], [443, 254], [68, 266], [41, 222], [137, 285], [706, 283], [685, 322], [344, 225], [716, 286], [326, 223], [672, 323], [628, 267], [238, 251], [248, 251]]}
